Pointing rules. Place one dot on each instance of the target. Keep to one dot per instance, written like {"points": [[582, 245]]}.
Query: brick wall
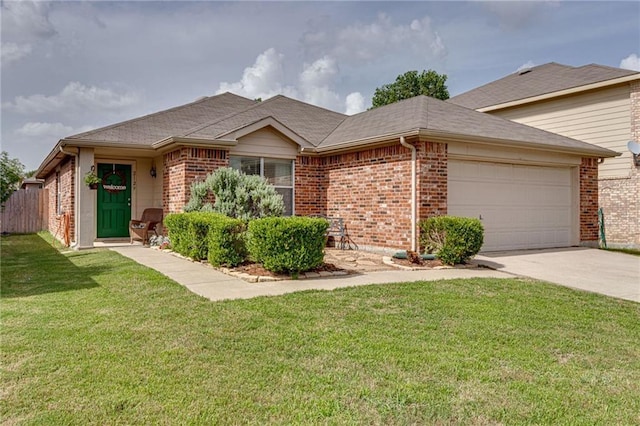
{"points": [[371, 190], [620, 198], [310, 186], [432, 179], [67, 198], [589, 200], [182, 167]]}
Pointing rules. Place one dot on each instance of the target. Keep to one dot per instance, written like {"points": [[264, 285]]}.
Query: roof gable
{"points": [[537, 81]]}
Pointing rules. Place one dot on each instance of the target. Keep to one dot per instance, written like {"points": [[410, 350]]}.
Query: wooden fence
{"points": [[26, 211]]}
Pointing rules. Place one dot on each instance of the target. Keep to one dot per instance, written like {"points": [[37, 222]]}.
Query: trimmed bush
{"points": [[227, 245], [205, 235], [454, 239], [288, 244], [176, 224]]}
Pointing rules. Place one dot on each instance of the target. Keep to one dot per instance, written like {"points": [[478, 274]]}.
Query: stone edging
{"points": [[258, 278]]}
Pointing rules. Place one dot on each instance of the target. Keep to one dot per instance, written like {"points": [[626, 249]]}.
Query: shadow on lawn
{"points": [[31, 266]]}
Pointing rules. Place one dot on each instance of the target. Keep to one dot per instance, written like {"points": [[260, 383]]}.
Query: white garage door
{"points": [[521, 207]]}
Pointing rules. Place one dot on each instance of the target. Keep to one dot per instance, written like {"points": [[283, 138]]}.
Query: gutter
{"points": [[414, 218]]}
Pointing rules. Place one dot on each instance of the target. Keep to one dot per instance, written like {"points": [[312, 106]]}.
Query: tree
{"points": [[236, 195], [11, 172], [411, 84]]}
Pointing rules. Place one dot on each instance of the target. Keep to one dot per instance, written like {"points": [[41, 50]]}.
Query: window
{"points": [[278, 173]]}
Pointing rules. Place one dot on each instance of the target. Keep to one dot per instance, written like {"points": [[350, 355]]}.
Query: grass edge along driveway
{"points": [[91, 337]]}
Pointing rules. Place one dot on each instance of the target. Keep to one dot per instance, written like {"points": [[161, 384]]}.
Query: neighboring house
{"points": [[592, 103], [381, 170], [31, 183]]}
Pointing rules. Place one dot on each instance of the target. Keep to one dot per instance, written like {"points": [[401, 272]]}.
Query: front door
{"points": [[114, 200]]}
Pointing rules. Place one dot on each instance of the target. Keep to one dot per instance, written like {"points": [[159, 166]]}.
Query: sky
{"points": [[70, 66]]}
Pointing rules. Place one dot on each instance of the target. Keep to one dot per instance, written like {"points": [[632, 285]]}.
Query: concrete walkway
{"points": [[597, 271], [214, 285]]}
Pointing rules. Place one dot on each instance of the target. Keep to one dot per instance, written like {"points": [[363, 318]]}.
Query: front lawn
{"points": [[91, 337]]}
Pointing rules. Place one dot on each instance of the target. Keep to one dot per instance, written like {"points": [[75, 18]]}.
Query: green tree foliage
{"points": [[411, 84], [236, 195], [11, 172]]}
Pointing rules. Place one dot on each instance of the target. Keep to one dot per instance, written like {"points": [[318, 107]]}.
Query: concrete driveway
{"points": [[598, 271]]}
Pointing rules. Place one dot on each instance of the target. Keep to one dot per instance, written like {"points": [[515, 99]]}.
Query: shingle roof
{"points": [[310, 122], [443, 118], [172, 122], [215, 117], [540, 80]]}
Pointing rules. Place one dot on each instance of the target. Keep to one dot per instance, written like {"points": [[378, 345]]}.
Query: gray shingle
{"points": [[540, 80], [441, 117], [151, 128], [308, 121]]}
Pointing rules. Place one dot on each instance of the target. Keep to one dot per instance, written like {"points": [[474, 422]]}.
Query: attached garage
{"points": [[521, 206]]}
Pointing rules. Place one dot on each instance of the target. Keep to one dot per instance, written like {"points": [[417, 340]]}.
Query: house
{"points": [[593, 103], [31, 183], [381, 170]]}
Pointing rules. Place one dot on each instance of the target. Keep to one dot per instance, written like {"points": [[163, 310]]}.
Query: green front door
{"points": [[114, 200]]}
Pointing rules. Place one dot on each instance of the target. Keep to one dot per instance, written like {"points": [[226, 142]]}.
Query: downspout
{"points": [[75, 196], [413, 191]]}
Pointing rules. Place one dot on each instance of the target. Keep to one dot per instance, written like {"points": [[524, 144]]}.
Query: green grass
{"points": [[91, 337], [634, 252]]}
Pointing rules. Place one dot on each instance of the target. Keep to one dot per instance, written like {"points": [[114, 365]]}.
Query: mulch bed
{"points": [[425, 263], [258, 270]]}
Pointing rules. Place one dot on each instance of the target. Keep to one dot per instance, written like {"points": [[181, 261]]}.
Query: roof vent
{"points": [[523, 72]]}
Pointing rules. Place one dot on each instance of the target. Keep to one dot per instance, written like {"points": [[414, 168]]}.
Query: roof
{"points": [[150, 128], [220, 120], [310, 122], [537, 81], [441, 119]]}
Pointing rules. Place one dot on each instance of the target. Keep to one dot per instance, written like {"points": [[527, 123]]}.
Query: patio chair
{"points": [[140, 229]]}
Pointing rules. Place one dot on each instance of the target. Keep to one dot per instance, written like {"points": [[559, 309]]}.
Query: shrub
{"points": [[455, 239], [206, 235], [226, 241], [288, 244], [236, 195], [177, 223]]}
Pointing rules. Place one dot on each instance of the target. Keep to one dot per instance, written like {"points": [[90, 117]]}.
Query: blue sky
{"points": [[71, 66]]}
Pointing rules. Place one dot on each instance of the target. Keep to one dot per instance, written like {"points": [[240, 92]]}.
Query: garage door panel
{"points": [[520, 206]]}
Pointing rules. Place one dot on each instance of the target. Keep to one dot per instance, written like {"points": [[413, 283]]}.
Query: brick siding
{"points": [[371, 190], [310, 186], [620, 198], [181, 168], [589, 200], [432, 179], [67, 201]]}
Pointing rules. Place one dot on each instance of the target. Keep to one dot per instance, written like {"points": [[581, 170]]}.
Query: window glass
{"points": [[287, 197], [278, 172], [247, 165]]}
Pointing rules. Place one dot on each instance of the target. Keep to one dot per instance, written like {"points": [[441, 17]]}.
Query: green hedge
{"points": [[205, 235], [288, 244], [454, 239]]}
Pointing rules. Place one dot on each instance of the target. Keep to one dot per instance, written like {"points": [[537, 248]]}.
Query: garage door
{"points": [[521, 207]]}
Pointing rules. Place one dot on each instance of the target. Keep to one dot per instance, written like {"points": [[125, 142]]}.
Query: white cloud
{"points": [[631, 62], [261, 80], [526, 65], [73, 98], [366, 42], [354, 103], [27, 20], [12, 52], [514, 15], [49, 130], [315, 81]]}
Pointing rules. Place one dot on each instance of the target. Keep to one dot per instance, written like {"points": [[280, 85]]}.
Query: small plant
{"points": [[160, 241], [91, 179]]}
